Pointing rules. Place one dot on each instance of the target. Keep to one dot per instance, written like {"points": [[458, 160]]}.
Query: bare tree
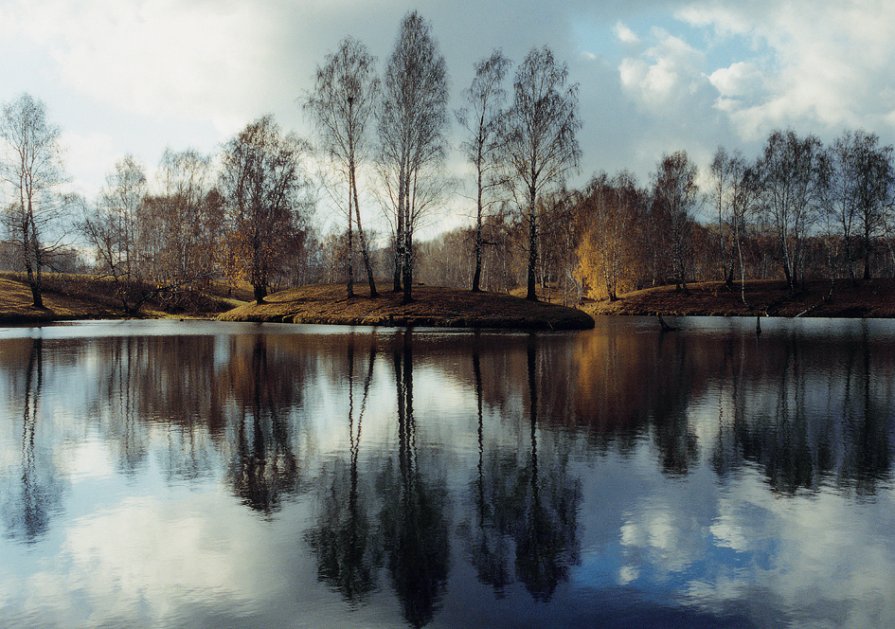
{"points": [[31, 167], [481, 117], [733, 193], [411, 124], [675, 195], [113, 229], [540, 143], [874, 178], [263, 184], [181, 227], [342, 104], [790, 195]]}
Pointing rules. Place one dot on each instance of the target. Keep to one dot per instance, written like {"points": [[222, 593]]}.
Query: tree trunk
{"points": [[408, 264], [399, 230], [360, 232], [531, 294], [260, 293], [867, 253], [477, 275], [350, 284]]}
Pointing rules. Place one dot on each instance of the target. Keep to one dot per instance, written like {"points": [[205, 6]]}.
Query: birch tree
{"points": [[481, 117], [411, 125], [789, 195], [31, 167], [674, 197], [113, 230], [342, 104], [733, 192], [540, 141]]}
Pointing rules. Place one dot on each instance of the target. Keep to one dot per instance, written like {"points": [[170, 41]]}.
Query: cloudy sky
{"points": [[137, 76]]}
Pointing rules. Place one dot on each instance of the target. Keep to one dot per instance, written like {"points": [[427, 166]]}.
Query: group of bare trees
{"points": [[241, 223], [799, 210], [519, 151], [164, 239]]}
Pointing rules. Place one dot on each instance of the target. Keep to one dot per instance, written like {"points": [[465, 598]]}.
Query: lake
{"points": [[209, 474]]}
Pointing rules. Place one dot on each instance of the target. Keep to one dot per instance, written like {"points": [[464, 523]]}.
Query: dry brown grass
{"points": [[875, 298], [68, 297], [432, 306], [15, 305]]}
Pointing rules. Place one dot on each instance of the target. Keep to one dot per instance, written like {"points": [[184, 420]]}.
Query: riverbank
{"points": [[432, 306], [72, 297], [873, 298]]}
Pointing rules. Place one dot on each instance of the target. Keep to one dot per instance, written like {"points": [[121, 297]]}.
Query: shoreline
{"points": [[462, 309]]}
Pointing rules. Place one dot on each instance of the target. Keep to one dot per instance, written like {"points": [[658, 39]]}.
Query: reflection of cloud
{"points": [[145, 557]]}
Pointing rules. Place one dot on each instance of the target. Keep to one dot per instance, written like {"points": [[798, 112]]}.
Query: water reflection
{"points": [[31, 499], [263, 468], [434, 478], [347, 544], [414, 513]]}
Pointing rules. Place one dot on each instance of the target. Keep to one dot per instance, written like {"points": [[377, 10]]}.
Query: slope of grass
{"points": [[432, 306], [68, 297], [874, 298]]}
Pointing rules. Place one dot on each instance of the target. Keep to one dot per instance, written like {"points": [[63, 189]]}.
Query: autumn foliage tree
{"points": [[264, 188], [611, 211]]}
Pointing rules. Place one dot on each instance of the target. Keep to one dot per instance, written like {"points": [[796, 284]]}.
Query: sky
{"points": [[142, 75]]}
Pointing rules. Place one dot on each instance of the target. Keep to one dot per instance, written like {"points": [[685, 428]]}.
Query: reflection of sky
{"points": [[161, 548]]}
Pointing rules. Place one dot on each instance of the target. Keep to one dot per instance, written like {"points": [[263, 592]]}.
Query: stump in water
{"points": [[665, 326]]}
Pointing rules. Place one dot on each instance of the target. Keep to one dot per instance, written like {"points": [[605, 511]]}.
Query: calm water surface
{"points": [[209, 474]]}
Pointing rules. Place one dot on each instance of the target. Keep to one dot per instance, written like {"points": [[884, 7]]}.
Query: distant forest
{"points": [[798, 210]]}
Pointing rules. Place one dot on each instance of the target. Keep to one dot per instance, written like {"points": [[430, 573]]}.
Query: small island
{"points": [[432, 306]]}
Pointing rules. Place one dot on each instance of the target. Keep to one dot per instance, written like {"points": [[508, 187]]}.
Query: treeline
{"points": [[244, 216], [797, 211]]}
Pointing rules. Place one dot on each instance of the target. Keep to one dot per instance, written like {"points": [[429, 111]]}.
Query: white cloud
{"points": [[823, 72], [88, 156], [666, 72], [624, 34], [158, 58]]}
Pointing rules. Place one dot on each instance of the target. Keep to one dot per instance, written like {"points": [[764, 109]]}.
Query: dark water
{"points": [[206, 474]]}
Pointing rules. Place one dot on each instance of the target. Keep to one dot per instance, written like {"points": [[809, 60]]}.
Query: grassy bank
{"points": [[68, 297], [432, 306], [874, 298]]}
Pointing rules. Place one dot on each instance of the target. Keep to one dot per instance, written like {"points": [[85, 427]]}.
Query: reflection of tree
{"points": [[414, 524], [348, 556], [488, 548], [547, 506], [264, 466], [28, 513], [672, 383], [868, 456], [123, 392], [780, 423]]}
